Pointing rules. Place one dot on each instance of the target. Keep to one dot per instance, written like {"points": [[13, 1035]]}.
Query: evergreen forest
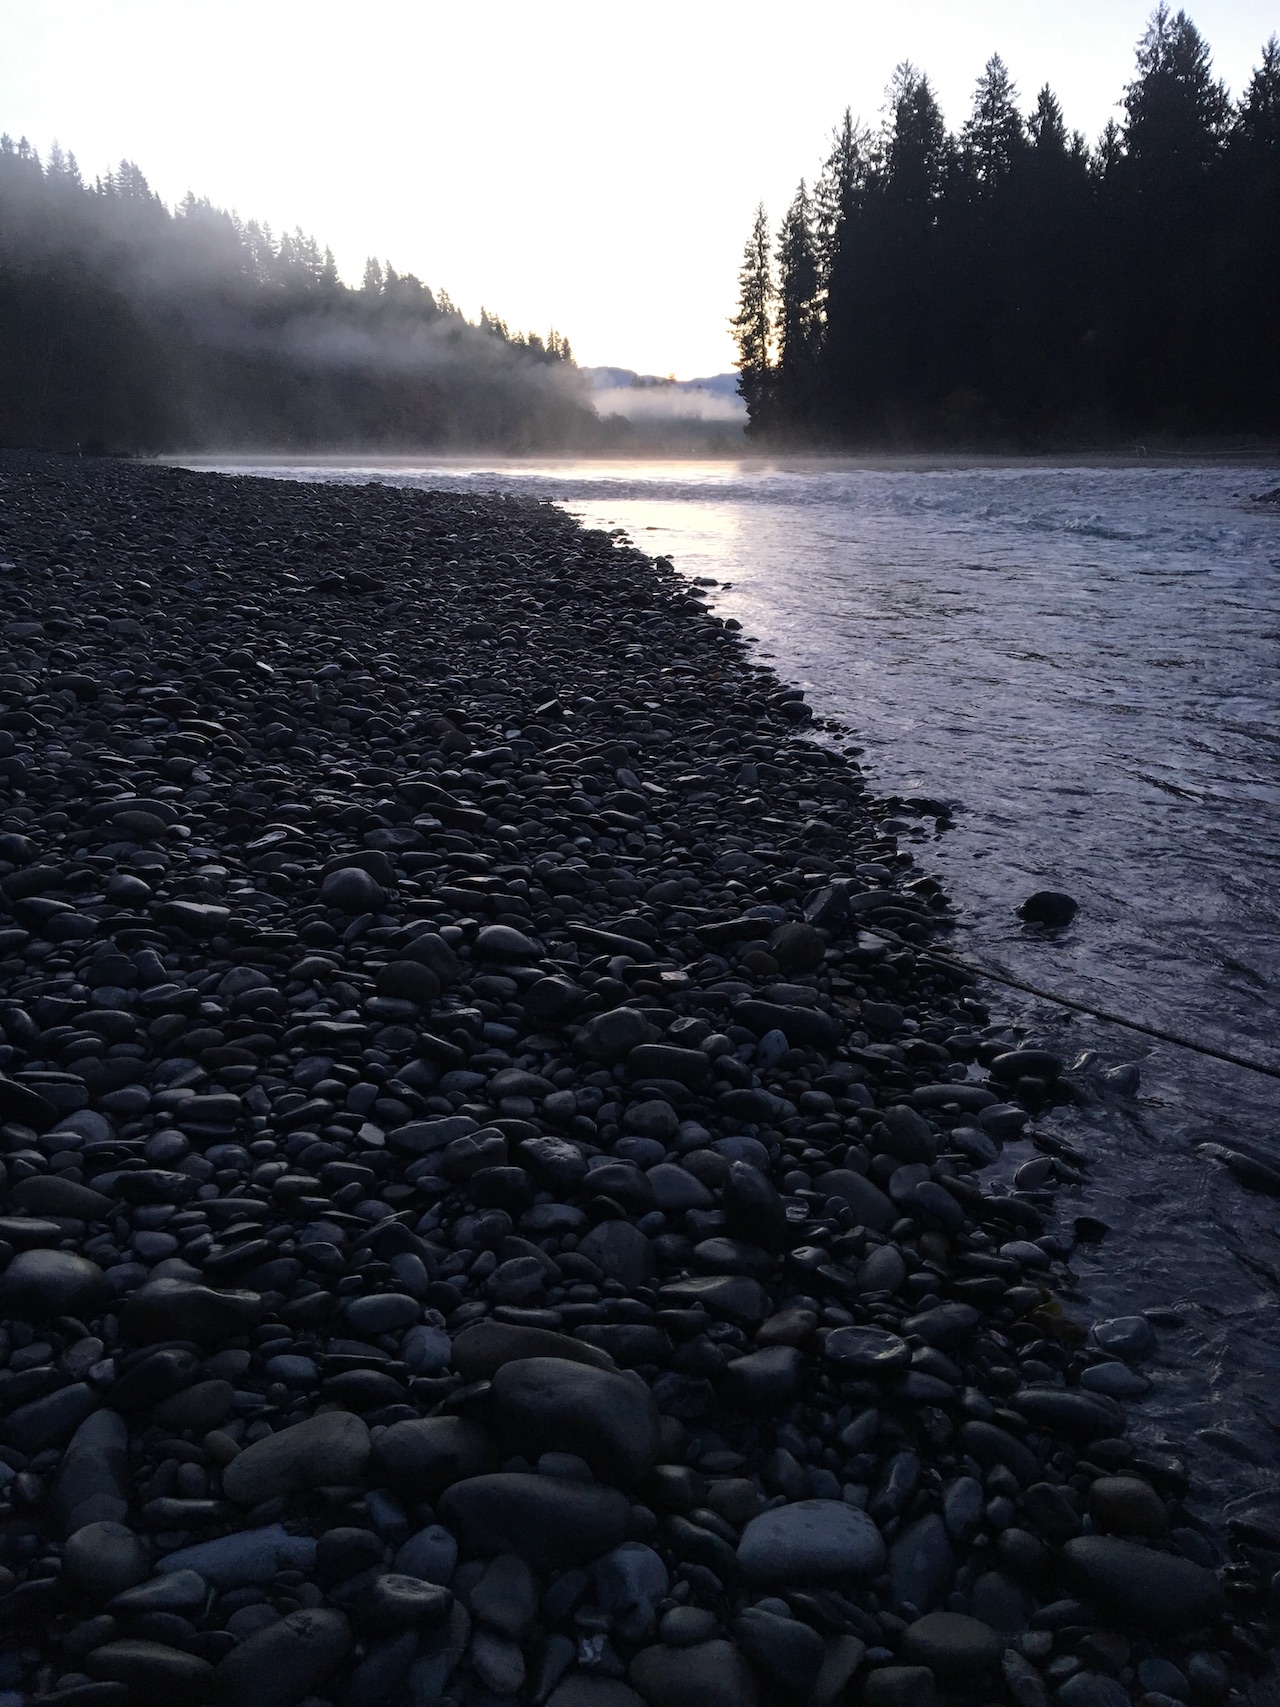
{"points": [[1011, 283], [126, 326]]}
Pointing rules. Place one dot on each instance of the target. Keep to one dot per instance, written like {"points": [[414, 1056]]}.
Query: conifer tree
{"points": [[839, 184], [799, 322], [994, 135], [753, 323]]}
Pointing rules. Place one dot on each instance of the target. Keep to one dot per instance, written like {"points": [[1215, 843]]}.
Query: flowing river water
{"points": [[1082, 661]]}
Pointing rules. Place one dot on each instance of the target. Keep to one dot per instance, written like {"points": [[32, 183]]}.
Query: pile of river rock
{"points": [[495, 1184]]}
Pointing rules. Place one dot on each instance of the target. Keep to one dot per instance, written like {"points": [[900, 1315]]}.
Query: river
{"points": [[1082, 660]]}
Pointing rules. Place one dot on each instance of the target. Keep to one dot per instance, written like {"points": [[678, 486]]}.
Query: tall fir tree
{"points": [[839, 184], [1160, 225], [799, 321], [994, 136], [753, 323]]}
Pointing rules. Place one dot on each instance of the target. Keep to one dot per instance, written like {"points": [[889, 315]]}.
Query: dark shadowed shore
{"points": [[494, 1170]]}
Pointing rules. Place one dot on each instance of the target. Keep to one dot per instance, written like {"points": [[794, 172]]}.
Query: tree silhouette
{"points": [[799, 326], [753, 323], [1010, 283]]}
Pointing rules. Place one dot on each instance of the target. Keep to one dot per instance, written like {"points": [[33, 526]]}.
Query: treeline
{"points": [[1011, 283], [126, 326]]}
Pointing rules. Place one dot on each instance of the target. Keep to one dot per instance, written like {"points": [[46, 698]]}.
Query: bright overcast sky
{"points": [[587, 164]]}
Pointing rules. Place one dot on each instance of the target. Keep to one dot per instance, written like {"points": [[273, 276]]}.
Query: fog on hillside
{"points": [[127, 326]]}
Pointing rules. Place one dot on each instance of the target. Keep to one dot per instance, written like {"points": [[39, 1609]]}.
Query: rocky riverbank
{"points": [[495, 1180]]}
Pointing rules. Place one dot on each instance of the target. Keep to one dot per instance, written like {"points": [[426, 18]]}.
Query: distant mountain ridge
{"points": [[637, 396]]}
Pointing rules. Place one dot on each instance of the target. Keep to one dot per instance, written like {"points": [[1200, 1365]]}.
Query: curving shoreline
{"points": [[434, 982]]}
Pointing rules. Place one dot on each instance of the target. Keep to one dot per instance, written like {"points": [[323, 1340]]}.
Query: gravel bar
{"points": [[499, 1201]]}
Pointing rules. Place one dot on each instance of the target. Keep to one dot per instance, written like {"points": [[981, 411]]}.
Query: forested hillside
{"points": [[127, 326], [1010, 281]]}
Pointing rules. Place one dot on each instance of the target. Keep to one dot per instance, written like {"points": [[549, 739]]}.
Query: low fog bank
{"points": [[645, 397], [127, 327], [644, 415]]}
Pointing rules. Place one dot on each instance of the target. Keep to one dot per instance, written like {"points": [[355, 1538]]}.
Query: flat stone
{"points": [[1080, 1416], [330, 1449], [480, 1351], [388, 1601], [810, 1541], [47, 1194], [866, 1351], [177, 1591], [1114, 1381], [730, 1298], [382, 1313], [153, 1671], [180, 1310], [1158, 1591], [245, 1558], [551, 1523], [945, 1326], [548, 1404]]}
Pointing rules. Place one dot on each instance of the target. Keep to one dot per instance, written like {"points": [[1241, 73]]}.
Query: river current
{"points": [[1081, 660]]}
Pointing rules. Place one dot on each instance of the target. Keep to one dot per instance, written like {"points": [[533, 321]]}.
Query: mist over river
{"points": [[1082, 661]]}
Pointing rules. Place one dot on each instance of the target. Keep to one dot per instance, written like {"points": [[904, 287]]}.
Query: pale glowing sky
{"points": [[587, 164]]}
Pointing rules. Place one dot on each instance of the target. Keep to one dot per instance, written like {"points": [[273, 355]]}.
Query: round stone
{"points": [[40, 1284], [504, 942], [1125, 1336], [1126, 1505], [953, 1646], [352, 890], [866, 1351], [382, 1312], [103, 1559], [810, 1541]]}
